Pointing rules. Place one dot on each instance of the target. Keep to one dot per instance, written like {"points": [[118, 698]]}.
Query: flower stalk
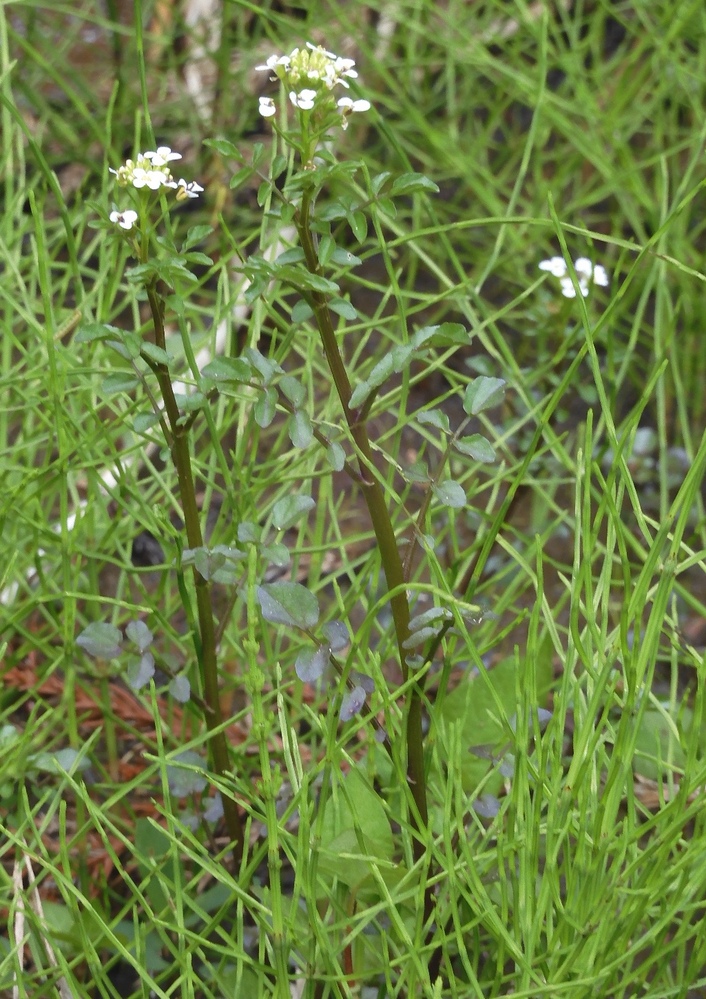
{"points": [[206, 647], [381, 521]]}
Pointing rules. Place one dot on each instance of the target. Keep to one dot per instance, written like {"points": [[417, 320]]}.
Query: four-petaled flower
{"points": [[161, 156], [151, 171], [586, 273], [304, 100], [125, 220], [310, 74], [190, 190], [349, 106]]}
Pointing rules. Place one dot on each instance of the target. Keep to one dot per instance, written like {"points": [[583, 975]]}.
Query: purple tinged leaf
{"points": [[487, 806], [288, 603], [363, 680], [180, 688], [101, 640], [140, 670], [139, 634], [419, 637], [311, 663], [352, 703], [214, 810], [182, 781], [337, 634], [425, 618]]}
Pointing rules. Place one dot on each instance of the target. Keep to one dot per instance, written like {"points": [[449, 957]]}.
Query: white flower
{"points": [[190, 190], [307, 73], [586, 275], [125, 220], [304, 100], [161, 156], [154, 179], [267, 107], [274, 61], [350, 105], [555, 266]]}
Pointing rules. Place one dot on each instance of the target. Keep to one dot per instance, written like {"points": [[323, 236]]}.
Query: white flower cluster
{"points": [[586, 273], [308, 74], [151, 171]]}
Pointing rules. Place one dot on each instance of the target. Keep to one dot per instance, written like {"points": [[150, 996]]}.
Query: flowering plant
{"points": [[586, 273]]}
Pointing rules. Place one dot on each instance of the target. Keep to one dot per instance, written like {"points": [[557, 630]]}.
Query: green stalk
{"points": [[208, 662], [381, 521]]}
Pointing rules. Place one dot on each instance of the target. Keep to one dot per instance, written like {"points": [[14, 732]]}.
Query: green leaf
{"points": [[408, 183], [327, 245], [299, 429], [225, 148], [344, 258], [228, 369], [336, 456], [101, 640], [120, 381], [342, 308], [342, 854], [295, 255], [265, 408], [301, 311], [359, 224], [288, 603], [392, 363], [447, 335], [450, 493], [482, 393], [96, 331], [293, 389], [477, 447], [291, 509], [240, 177], [435, 418], [144, 422], [195, 235], [155, 353]]}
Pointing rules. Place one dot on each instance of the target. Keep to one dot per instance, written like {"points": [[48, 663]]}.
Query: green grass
{"points": [[567, 699]]}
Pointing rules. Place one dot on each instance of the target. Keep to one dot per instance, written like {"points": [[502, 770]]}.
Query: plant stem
{"points": [[208, 663], [382, 525]]}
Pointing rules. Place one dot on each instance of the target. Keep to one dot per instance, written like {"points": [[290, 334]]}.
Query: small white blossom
{"points": [[147, 171], [274, 61], [304, 100], [307, 73], [187, 190], [349, 106], [586, 274], [161, 156], [555, 265], [125, 220], [267, 107]]}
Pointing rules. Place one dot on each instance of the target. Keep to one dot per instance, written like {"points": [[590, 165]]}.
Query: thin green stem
{"points": [[382, 523], [208, 662]]}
